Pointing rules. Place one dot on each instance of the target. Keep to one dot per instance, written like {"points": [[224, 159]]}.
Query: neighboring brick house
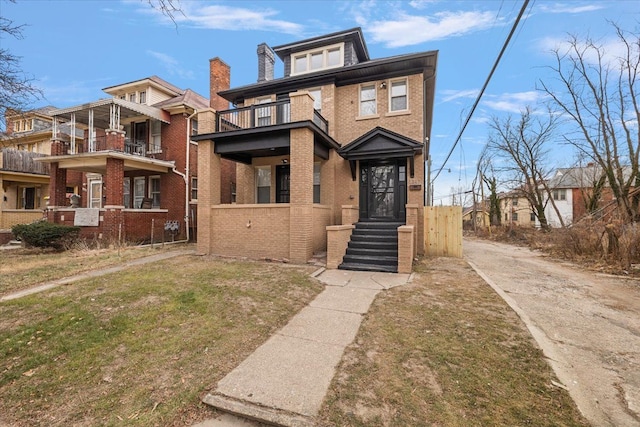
{"points": [[338, 140], [576, 192], [24, 183], [137, 159]]}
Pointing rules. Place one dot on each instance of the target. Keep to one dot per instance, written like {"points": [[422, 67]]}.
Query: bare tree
{"points": [[599, 94], [521, 148], [17, 89], [169, 8]]}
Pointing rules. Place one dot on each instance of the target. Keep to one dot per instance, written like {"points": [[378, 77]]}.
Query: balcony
{"points": [[22, 161], [260, 115]]}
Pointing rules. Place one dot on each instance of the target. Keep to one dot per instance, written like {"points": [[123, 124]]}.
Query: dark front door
{"points": [[282, 183], [382, 190]]}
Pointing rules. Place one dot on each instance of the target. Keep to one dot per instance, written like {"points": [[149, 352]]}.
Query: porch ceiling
{"points": [[245, 144], [23, 177], [97, 162], [102, 111]]}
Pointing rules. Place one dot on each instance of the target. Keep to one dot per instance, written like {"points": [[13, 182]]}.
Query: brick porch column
{"points": [[208, 181], [113, 221], [57, 177], [301, 187]]}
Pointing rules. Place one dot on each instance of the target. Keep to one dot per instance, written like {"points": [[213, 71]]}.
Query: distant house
{"points": [[479, 213], [137, 161], [576, 192], [516, 209], [338, 140], [24, 183]]}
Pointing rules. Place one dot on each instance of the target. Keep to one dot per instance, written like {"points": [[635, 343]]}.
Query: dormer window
{"points": [[317, 59]]}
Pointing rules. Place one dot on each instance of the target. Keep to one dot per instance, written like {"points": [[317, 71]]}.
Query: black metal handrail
{"points": [[258, 115]]}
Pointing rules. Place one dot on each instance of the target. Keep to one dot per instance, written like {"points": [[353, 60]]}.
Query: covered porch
{"points": [[122, 172], [285, 182]]}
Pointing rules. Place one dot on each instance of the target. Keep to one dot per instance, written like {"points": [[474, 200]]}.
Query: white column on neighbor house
{"points": [[91, 137], [114, 116], [72, 126]]}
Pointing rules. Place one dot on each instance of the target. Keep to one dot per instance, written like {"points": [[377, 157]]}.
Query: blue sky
{"points": [[76, 48]]}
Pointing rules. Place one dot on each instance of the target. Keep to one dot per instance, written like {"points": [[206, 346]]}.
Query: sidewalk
{"points": [[285, 380], [94, 273]]}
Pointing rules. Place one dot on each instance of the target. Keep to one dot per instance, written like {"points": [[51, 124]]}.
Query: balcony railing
{"points": [[131, 146], [22, 161], [254, 116]]}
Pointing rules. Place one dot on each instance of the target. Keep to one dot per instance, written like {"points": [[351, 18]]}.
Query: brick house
{"points": [[137, 160], [24, 183], [329, 157]]}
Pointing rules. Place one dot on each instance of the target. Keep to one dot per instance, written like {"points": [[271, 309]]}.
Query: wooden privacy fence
{"points": [[443, 231]]}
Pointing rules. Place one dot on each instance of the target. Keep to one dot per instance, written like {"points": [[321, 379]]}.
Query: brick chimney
{"points": [[219, 79], [266, 61]]}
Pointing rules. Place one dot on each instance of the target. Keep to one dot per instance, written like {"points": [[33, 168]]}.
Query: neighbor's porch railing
{"points": [[22, 161], [258, 115]]}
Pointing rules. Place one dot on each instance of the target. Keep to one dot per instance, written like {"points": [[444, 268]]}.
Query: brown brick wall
{"points": [[253, 231], [322, 218], [405, 248], [219, 79], [338, 237]]}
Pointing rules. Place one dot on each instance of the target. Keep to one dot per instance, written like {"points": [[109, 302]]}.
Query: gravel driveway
{"points": [[588, 325]]}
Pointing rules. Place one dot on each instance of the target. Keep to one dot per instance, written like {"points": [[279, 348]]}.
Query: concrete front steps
{"points": [[373, 247]]}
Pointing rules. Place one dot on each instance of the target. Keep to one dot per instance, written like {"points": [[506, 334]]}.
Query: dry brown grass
{"points": [[445, 351], [611, 247]]}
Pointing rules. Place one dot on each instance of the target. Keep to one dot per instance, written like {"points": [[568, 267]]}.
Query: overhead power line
{"points": [[486, 83]]}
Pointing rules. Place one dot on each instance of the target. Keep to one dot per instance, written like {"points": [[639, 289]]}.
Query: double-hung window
{"points": [[264, 113], [155, 145], [368, 104], [263, 184], [154, 191], [316, 94], [398, 96]]}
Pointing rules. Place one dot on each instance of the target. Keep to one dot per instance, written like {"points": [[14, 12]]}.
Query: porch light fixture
{"points": [[383, 85], [285, 161]]}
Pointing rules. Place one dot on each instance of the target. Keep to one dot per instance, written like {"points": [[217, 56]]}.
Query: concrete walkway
{"points": [[285, 380], [95, 273]]}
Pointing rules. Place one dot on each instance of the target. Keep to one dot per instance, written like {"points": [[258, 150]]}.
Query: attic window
{"points": [[317, 59]]}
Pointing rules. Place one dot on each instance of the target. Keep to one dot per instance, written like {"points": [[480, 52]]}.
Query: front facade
{"points": [[137, 162], [338, 140]]}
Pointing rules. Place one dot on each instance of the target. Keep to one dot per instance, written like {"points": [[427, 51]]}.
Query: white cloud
{"points": [[171, 64], [512, 102], [406, 30], [451, 95], [222, 17], [569, 7]]}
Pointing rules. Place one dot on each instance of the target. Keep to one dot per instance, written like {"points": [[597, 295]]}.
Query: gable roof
{"points": [[380, 142], [188, 98], [155, 80]]}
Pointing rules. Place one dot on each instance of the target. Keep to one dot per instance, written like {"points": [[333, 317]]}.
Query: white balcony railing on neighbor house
{"points": [[267, 114]]}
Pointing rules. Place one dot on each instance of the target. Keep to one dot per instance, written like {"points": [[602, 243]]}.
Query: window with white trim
{"points": [[263, 113], [138, 191], [95, 193], [317, 59], [155, 144], [263, 184], [560, 194], [132, 97], [154, 191], [398, 96], [194, 188], [126, 192], [368, 103], [143, 97]]}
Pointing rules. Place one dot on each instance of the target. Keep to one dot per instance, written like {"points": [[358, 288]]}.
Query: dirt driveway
{"points": [[588, 325]]}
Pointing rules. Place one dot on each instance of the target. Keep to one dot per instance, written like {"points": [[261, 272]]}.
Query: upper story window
{"points": [[264, 113], [143, 97], [317, 59], [398, 96], [123, 97], [22, 125], [514, 201], [132, 97], [560, 194], [368, 103], [194, 127]]}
